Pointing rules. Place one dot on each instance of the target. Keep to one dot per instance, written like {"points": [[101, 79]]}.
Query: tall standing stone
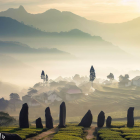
{"points": [[23, 117], [49, 119], [101, 119], [39, 123], [86, 120], [130, 117], [62, 115], [108, 121]]}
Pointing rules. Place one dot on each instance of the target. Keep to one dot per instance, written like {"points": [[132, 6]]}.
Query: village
{"points": [[53, 92]]}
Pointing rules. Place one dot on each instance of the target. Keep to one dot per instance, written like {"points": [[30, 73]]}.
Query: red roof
{"points": [[74, 91]]}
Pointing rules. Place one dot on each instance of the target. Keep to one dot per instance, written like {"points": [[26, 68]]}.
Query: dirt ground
{"points": [[45, 135], [90, 132]]}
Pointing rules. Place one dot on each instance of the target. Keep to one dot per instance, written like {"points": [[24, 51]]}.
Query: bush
{"points": [[5, 119], [71, 132]]}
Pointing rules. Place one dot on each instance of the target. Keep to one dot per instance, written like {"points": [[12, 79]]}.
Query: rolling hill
{"points": [[76, 42], [12, 28], [17, 47], [51, 21], [125, 35]]}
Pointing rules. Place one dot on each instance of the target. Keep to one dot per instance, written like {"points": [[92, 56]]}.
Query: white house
{"points": [[136, 81], [53, 97], [34, 103]]}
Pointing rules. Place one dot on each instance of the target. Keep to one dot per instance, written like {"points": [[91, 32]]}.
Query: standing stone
{"points": [[62, 115], [86, 120], [39, 123], [23, 117], [11, 136], [101, 119], [130, 117], [48, 117], [108, 121]]}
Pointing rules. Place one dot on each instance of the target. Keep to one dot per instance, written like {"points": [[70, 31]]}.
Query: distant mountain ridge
{"points": [[17, 47], [10, 27], [75, 41], [51, 21], [123, 34]]}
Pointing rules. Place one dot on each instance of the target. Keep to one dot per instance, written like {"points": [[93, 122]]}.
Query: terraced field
{"points": [[119, 132], [23, 133], [113, 101], [71, 132]]}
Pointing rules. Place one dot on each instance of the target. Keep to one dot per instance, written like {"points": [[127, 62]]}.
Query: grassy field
{"points": [[119, 131], [112, 100], [71, 132], [23, 133]]}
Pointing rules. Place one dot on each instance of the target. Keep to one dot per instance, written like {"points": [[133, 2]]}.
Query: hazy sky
{"points": [[102, 10]]}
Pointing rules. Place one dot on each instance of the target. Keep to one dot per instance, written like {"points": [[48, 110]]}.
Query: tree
{"points": [[5, 119], [38, 85], [14, 98], [123, 80], [3, 104], [32, 91], [110, 76], [126, 76]]}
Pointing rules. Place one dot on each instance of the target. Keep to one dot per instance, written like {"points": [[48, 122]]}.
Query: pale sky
{"points": [[109, 11]]}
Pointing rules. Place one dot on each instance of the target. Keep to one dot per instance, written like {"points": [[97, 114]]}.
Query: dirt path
{"points": [[45, 135], [90, 132]]}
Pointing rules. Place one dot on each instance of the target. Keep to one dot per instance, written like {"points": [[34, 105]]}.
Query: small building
{"points": [[73, 94], [53, 97], [136, 81]]}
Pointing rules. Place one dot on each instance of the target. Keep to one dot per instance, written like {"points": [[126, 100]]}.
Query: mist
{"points": [[45, 68]]}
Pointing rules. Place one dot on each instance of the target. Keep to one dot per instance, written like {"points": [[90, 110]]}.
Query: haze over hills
{"points": [[17, 47], [9, 62], [124, 35], [51, 21], [72, 41], [10, 27], [7, 88]]}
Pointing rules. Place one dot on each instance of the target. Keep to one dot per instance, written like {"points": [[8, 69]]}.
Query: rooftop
{"points": [[136, 78]]}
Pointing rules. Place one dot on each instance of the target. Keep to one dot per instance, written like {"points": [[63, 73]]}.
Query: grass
{"points": [[6, 119], [23, 132], [119, 132], [71, 132]]}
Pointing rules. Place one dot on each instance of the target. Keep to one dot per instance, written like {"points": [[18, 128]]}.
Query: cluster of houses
{"points": [[133, 82], [66, 93]]}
